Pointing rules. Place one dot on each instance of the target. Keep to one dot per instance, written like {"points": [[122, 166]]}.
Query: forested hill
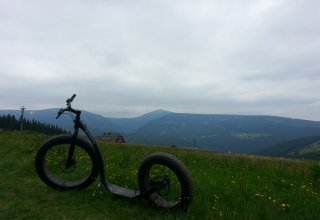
{"points": [[9, 122]]}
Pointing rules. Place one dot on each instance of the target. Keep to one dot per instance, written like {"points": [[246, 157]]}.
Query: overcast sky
{"points": [[124, 58]]}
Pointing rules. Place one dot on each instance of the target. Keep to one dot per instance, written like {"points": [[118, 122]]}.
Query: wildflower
{"points": [[259, 195], [216, 197], [284, 206]]}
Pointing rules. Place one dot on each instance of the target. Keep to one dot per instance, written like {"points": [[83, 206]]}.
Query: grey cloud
{"points": [[124, 58]]}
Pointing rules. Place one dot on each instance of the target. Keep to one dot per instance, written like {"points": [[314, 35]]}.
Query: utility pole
{"points": [[21, 118]]}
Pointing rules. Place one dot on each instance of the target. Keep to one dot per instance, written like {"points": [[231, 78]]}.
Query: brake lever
{"points": [[60, 113]]}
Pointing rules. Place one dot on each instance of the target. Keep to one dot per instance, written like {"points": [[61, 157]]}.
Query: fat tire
{"points": [[179, 169], [65, 139]]}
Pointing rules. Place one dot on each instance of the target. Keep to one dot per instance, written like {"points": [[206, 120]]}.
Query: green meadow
{"points": [[227, 186]]}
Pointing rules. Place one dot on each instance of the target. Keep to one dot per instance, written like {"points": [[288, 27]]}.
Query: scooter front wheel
{"points": [[168, 181], [55, 167]]}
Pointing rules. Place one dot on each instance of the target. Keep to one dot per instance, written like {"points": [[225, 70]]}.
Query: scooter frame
{"points": [[115, 189]]}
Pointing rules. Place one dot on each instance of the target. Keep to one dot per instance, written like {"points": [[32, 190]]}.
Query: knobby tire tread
{"points": [[180, 170]]}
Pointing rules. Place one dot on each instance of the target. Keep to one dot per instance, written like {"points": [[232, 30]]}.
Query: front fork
{"points": [[71, 158]]}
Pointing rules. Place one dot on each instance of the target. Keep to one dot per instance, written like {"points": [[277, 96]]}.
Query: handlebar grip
{"points": [[71, 99]]}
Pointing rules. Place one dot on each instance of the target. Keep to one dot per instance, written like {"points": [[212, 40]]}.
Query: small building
{"points": [[113, 137]]}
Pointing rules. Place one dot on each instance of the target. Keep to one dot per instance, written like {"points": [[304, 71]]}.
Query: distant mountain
{"points": [[131, 125], [235, 133]]}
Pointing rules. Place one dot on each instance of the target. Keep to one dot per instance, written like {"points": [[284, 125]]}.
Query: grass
{"points": [[226, 186]]}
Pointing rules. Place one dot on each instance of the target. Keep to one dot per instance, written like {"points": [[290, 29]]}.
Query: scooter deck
{"points": [[118, 190]]}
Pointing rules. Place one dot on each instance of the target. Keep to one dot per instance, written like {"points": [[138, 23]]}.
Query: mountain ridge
{"points": [[217, 132]]}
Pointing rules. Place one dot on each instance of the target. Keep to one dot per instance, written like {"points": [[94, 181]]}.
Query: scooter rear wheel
{"points": [[171, 177]]}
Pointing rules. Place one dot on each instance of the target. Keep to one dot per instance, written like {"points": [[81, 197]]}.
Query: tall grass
{"points": [[226, 186]]}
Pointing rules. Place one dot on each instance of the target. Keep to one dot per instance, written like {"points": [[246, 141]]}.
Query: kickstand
{"points": [[96, 190]]}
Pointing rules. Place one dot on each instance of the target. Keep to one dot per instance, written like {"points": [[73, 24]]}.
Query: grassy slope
{"points": [[226, 186]]}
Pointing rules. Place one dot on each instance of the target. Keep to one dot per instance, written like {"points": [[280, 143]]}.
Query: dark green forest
{"points": [[9, 122]]}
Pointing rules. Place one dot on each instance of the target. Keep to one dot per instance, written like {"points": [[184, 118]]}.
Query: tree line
{"points": [[9, 122]]}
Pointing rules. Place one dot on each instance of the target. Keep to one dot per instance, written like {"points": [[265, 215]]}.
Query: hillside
{"points": [[224, 133], [306, 147], [227, 186]]}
